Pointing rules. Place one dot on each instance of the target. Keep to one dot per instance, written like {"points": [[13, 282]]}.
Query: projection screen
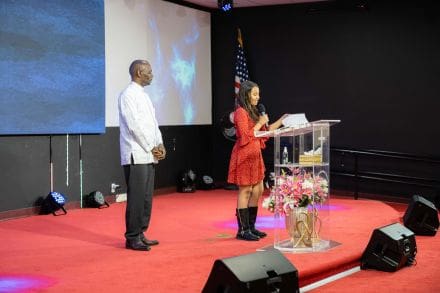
{"points": [[176, 40]]}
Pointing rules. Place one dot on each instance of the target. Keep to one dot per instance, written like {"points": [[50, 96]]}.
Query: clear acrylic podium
{"points": [[300, 195]]}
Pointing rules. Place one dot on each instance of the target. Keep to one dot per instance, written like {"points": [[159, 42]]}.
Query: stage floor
{"points": [[83, 251]]}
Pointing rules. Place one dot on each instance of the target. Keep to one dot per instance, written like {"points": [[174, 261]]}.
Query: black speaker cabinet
{"points": [[421, 217], [390, 248], [263, 271]]}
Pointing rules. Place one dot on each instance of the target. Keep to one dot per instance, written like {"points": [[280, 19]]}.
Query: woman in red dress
{"points": [[246, 167]]}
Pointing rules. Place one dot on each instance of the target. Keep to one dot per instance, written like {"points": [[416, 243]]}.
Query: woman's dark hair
{"points": [[244, 99]]}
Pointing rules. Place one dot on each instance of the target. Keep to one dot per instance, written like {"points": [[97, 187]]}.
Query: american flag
{"points": [[241, 71]]}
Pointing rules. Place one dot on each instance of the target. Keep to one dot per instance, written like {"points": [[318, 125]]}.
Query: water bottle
{"points": [[285, 159]]}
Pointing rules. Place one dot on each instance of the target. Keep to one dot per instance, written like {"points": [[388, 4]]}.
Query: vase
{"points": [[301, 225]]}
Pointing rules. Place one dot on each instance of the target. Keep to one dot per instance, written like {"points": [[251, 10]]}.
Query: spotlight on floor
{"points": [[187, 181], [96, 200], [53, 202]]}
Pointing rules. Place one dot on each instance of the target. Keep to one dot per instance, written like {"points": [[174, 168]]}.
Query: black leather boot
{"points": [[252, 219], [244, 233]]}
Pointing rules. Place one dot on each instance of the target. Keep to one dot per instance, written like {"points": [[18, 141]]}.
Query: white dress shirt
{"points": [[139, 130]]}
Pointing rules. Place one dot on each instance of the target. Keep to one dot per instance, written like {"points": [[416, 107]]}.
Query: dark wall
{"points": [[374, 66], [24, 171], [25, 161], [188, 147]]}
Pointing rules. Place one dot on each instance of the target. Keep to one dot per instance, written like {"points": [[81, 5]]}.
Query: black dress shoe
{"points": [[148, 241], [137, 245]]}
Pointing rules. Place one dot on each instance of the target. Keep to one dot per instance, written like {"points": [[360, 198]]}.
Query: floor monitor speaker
{"points": [[263, 271], [421, 217], [390, 248]]}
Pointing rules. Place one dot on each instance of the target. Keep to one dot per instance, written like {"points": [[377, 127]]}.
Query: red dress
{"points": [[246, 166]]}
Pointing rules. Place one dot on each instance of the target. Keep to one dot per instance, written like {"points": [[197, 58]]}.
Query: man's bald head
{"points": [[137, 65], [141, 72]]}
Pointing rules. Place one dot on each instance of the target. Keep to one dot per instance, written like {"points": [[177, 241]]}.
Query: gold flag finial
{"points": [[240, 40]]}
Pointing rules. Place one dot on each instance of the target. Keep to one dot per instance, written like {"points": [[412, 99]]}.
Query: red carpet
{"points": [[421, 277], [83, 251]]}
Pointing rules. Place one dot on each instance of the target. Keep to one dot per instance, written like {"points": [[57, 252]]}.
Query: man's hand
{"points": [[159, 152]]}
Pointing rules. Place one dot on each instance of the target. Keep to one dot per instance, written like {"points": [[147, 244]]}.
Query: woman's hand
{"points": [[283, 117], [277, 124], [263, 119]]}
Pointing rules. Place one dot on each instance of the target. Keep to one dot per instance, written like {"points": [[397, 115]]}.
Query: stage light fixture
{"points": [[53, 202], [96, 200], [227, 125], [206, 183], [187, 181], [225, 5]]}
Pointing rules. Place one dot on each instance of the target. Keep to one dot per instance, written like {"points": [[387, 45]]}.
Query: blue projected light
{"points": [[23, 283], [177, 44], [181, 63], [183, 72], [52, 70]]}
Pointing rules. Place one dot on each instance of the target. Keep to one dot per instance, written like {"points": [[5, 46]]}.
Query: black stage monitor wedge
{"points": [[390, 248], [421, 217], [263, 271]]}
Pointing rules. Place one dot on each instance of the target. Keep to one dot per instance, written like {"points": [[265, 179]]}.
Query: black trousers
{"points": [[140, 186]]}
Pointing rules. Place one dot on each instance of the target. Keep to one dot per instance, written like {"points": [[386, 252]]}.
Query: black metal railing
{"points": [[354, 158]]}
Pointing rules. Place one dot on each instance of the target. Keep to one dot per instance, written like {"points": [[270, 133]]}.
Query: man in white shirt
{"points": [[141, 148]]}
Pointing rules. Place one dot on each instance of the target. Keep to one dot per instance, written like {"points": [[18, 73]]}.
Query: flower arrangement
{"points": [[297, 190]]}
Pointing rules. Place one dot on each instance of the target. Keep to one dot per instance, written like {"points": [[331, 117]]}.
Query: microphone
{"points": [[262, 110]]}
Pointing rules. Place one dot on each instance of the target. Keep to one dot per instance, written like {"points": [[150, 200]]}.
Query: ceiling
{"points": [[248, 3]]}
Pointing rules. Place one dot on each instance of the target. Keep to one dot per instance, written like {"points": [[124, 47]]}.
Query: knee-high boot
{"points": [[244, 233], [252, 219]]}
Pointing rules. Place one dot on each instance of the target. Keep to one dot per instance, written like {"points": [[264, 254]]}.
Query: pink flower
{"points": [[297, 190]]}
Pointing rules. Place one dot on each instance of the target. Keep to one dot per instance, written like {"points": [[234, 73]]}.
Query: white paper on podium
{"points": [[295, 120]]}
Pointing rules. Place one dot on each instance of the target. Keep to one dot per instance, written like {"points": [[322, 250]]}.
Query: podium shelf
{"points": [[301, 165]]}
